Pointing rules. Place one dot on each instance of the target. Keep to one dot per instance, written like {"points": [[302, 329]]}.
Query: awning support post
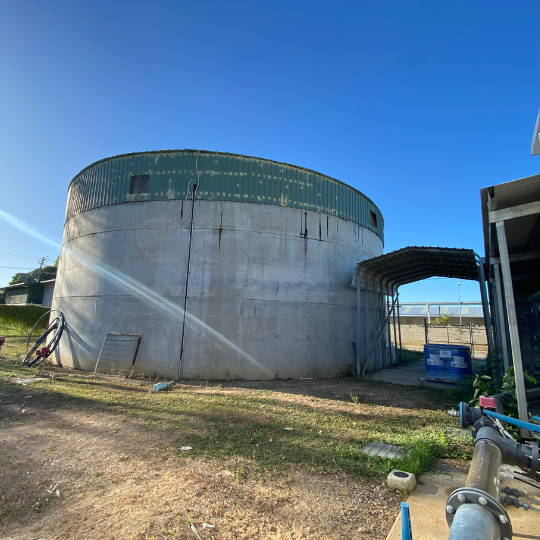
{"points": [[382, 312], [500, 316], [381, 332], [512, 322], [366, 317], [399, 328], [394, 295], [485, 304], [389, 347]]}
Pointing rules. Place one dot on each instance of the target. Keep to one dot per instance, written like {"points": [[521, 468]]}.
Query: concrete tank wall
{"points": [[272, 282]]}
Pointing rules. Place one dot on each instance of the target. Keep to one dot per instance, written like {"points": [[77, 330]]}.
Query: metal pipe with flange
{"points": [[485, 467], [474, 522], [474, 511]]}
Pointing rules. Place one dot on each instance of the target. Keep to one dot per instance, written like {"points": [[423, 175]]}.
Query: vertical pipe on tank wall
{"points": [[194, 191], [358, 285]]}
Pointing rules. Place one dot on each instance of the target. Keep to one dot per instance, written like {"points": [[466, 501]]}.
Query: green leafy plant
{"points": [[509, 382], [443, 320], [483, 385]]}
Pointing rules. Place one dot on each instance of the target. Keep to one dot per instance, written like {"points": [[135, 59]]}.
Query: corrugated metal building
{"points": [[417, 314], [33, 293]]}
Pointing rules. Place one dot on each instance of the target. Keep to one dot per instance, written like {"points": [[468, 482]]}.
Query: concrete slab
{"points": [[30, 380], [410, 375], [428, 502]]}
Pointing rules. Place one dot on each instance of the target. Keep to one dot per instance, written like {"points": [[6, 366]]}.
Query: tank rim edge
{"points": [[224, 154]]}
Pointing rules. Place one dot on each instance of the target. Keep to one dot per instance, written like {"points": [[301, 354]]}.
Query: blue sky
{"points": [[418, 104]]}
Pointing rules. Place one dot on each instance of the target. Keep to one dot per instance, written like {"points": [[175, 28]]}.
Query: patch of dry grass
{"points": [[263, 454]]}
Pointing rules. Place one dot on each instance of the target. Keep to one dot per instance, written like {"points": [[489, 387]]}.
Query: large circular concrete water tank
{"points": [[274, 249]]}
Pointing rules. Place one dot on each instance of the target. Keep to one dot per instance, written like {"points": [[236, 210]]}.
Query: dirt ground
{"points": [[71, 473]]}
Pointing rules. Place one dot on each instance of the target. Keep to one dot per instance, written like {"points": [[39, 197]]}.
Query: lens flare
{"points": [[132, 286]]}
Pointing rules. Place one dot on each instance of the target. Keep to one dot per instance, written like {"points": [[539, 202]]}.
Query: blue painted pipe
{"points": [[406, 531], [159, 386], [514, 421]]}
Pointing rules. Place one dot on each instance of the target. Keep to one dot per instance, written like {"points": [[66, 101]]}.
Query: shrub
{"points": [[23, 317]]}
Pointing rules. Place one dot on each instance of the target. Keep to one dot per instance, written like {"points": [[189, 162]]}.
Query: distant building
{"points": [[417, 314], [32, 293]]}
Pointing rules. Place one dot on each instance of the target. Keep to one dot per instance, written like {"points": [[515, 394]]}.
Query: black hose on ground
{"points": [[56, 328]]}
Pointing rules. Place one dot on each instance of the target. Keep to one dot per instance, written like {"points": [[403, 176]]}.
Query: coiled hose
{"points": [[56, 327]]}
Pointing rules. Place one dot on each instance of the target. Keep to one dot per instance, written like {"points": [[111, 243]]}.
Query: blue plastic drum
{"points": [[447, 363]]}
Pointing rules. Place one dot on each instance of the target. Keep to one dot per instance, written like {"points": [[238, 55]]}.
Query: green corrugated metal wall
{"points": [[223, 177]]}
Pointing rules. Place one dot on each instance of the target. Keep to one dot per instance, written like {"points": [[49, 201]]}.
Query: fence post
{"points": [[426, 329]]}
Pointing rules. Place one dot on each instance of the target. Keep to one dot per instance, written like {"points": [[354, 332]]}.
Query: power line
{"points": [[19, 256], [16, 268]]}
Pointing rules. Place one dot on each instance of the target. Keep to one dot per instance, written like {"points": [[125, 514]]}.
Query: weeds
{"points": [[411, 356], [7, 511]]}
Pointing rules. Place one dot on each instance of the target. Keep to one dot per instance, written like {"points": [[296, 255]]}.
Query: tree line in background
{"points": [[47, 272]]}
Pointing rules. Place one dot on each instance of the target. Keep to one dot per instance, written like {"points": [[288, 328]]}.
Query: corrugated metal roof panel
{"points": [[522, 191], [411, 264], [223, 177]]}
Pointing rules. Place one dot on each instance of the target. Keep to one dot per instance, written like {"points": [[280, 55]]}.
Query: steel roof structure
{"points": [[377, 280], [522, 231], [412, 264]]}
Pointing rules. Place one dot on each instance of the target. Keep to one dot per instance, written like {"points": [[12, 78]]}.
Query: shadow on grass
{"points": [[259, 427]]}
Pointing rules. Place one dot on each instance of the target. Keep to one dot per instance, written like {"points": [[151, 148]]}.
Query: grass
{"points": [[17, 330], [15, 346], [7, 511], [261, 428], [411, 356]]}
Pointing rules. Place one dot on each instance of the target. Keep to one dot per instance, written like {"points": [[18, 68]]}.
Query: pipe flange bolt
{"points": [[468, 495]]}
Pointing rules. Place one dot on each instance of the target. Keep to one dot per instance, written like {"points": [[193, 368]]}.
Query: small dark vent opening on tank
{"points": [[373, 219], [139, 184]]}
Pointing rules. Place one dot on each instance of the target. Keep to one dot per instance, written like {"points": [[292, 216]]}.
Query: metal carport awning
{"points": [[382, 276], [416, 263]]}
